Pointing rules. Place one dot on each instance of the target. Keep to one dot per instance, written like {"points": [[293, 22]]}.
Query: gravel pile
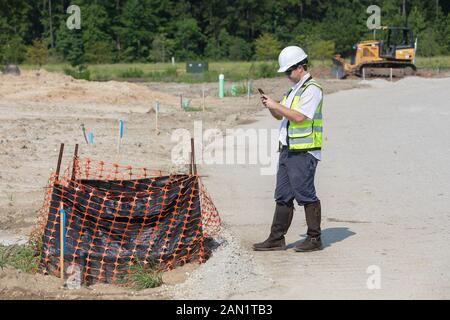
{"points": [[230, 271]]}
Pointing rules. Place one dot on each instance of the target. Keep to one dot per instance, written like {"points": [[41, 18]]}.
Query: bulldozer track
{"points": [[383, 69]]}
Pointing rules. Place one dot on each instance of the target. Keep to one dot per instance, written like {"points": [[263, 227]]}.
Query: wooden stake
{"points": [[157, 113], [120, 135], [84, 133], [203, 97], [75, 158], [156, 120], [190, 164], [58, 166], [391, 74], [194, 166]]}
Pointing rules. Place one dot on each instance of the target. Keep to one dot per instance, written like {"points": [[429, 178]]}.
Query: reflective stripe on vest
{"points": [[305, 135]]}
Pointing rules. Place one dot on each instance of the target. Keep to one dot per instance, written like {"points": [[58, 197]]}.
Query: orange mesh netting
{"points": [[117, 216]]}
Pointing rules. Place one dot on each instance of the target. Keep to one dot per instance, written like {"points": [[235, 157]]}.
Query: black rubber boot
{"points": [[281, 222], [313, 241]]}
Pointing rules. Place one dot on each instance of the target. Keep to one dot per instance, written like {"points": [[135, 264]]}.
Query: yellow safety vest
{"points": [[305, 135]]}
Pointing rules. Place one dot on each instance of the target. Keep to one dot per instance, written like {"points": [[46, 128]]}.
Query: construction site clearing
{"points": [[41, 110]]}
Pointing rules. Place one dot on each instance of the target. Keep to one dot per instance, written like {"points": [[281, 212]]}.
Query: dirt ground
{"points": [[40, 110]]}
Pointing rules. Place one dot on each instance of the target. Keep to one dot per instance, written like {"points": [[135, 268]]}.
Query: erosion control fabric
{"points": [[113, 224]]}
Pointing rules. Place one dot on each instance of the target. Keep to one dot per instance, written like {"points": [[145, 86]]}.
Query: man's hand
{"points": [[265, 101], [269, 102], [277, 109]]}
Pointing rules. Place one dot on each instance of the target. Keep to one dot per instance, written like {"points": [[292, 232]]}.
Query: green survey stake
{"points": [[221, 85]]}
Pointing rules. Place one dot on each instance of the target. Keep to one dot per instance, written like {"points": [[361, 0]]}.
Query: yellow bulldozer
{"points": [[394, 55]]}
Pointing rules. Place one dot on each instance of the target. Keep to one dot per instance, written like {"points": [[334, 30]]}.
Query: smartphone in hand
{"points": [[263, 99]]}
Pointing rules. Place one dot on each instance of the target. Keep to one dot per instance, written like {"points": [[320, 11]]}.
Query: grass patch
{"points": [[82, 74], [240, 89], [101, 77], [433, 62], [143, 277], [131, 73], [166, 72], [21, 257], [193, 109]]}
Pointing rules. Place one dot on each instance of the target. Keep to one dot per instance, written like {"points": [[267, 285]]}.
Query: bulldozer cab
{"points": [[395, 38]]}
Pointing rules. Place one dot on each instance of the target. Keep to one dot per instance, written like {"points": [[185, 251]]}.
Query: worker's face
{"points": [[296, 74]]}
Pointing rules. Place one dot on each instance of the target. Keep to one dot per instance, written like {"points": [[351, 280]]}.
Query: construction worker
{"points": [[300, 142]]}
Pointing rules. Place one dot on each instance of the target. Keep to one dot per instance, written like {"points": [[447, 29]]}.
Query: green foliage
{"points": [[192, 109], [239, 50], [208, 76], [391, 13], [101, 77], [15, 30], [428, 46], [99, 52], [218, 48], [344, 24], [188, 39], [171, 71], [156, 30], [416, 21], [226, 46], [240, 90], [267, 47], [267, 70], [81, 73], [21, 257], [306, 34], [136, 22], [322, 50], [234, 71], [14, 51], [442, 28], [132, 73], [143, 276], [70, 46], [433, 62], [162, 49], [37, 54], [446, 33]]}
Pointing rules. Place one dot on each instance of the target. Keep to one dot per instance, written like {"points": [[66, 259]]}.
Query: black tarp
{"points": [[112, 224]]}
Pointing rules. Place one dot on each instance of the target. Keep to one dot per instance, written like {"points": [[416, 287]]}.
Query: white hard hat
{"points": [[290, 56]]}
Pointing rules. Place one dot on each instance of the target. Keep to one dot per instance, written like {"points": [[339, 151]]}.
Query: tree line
{"points": [[156, 30]]}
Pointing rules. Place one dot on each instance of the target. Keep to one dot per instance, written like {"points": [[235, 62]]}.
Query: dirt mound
{"points": [[43, 86]]}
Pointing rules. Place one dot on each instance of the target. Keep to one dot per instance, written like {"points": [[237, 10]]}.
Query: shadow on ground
{"points": [[329, 236]]}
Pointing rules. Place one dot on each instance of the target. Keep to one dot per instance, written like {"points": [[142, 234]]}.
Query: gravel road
{"points": [[384, 183]]}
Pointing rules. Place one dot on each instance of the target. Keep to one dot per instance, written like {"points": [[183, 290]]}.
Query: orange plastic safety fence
{"points": [[119, 216]]}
